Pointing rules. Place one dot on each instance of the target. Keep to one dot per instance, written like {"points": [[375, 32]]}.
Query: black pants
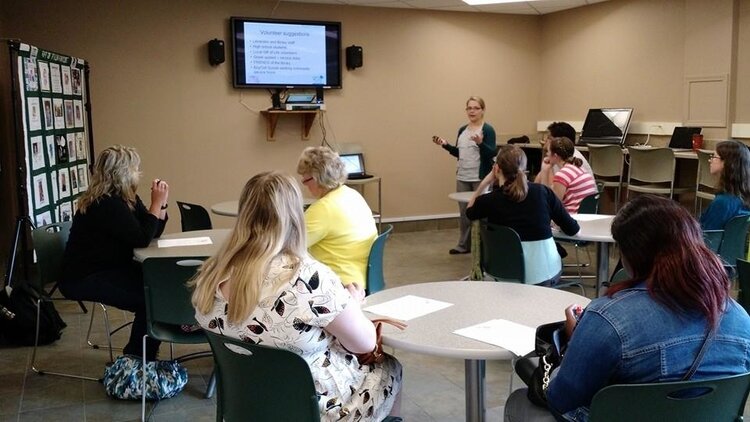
{"points": [[121, 288]]}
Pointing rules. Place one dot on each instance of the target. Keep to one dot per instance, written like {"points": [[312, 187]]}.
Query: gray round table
{"points": [[218, 236], [473, 302], [231, 208]]}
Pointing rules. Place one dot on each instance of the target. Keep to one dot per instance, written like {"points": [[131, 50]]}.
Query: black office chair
{"points": [[194, 217]]}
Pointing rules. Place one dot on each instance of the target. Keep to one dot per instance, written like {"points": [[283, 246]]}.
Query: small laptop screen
{"points": [[354, 163], [682, 137]]}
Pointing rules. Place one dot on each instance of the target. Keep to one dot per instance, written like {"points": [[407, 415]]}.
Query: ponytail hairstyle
{"points": [[511, 160], [564, 148], [735, 178]]}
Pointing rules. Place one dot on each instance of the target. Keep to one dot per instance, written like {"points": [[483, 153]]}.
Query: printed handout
{"points": [[75, 76], [35, 114], [67, 87], [78, 108], [83, 177], [43, 219], [44, 76], [80, 146], [70, 120], [51, 150], [41, 196], [66, 211], [49, 118], [54, 77], [57, 110], [408, 307], [30, 71], [37, 153], [71, 147], [63, 181]]}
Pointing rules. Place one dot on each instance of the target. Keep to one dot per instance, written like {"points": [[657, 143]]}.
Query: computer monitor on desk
{"points": [[606, 126]]}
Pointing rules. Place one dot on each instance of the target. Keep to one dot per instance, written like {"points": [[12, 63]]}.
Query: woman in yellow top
{"points": [[340, 226]]}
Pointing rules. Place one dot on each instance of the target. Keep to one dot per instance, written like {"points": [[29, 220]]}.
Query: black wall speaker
{"points": [[216, 52], [353, 57]]}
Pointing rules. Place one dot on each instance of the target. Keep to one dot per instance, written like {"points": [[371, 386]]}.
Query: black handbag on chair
{"points": [[549, 347]]}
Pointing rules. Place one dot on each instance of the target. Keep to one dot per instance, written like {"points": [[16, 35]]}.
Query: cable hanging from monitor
{"points": [[324, 141]]}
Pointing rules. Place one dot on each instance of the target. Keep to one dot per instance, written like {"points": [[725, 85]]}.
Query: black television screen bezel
{"points": [[237, 66]]}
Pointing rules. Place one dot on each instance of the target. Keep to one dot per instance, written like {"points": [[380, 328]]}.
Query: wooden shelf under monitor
{"points": [[272, 118]]}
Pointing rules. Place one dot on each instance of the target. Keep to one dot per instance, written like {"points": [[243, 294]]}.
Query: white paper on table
{"points": [[407, 307], [189, 241], [509, 335], [589, 217]]}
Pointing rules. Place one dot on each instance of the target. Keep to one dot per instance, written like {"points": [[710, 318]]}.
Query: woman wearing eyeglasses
{"points": [[340, 226], [731, 163], [474, 149]]}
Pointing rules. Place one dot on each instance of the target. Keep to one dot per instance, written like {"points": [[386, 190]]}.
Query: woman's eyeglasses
{"points": [[714, 157], [473, 108]]}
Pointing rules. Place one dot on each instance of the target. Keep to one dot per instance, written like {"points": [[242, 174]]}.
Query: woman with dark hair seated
{"points": [[526, 208], [731, 163], [651, 327]]}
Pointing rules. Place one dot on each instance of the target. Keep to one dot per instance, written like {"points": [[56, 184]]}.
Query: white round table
{"points": [[594, 228], [473, 302]]}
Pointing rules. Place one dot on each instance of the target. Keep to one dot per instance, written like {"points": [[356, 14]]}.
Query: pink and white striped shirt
{"points": [[578, 183]]}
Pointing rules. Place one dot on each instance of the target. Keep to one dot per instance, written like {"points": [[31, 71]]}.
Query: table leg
{"points": [[475, 374], [602, 266], [476, 253]]}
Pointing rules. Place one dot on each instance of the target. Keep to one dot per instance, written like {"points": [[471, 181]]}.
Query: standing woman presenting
{"points": [[474, 148]]}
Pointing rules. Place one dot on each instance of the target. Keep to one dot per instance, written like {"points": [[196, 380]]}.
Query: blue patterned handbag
{"points": [[124, 379]]}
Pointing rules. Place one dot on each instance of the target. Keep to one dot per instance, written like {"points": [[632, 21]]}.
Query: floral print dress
{"points": [[292, 317]]}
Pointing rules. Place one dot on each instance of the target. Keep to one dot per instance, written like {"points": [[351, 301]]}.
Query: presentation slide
{"points": [[285, 54]]}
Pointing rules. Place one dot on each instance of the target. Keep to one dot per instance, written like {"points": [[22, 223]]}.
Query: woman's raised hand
{"points": [[438, 140], [159, 193], [477, 137]]}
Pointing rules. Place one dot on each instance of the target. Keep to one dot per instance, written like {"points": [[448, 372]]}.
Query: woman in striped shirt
{"points": [[571, 183]]}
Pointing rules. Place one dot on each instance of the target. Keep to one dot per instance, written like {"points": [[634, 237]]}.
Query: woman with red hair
{"points": [[649, 328]]}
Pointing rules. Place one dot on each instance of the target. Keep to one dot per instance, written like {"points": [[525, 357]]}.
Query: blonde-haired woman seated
{"points": [[111, 220], [340, 227], [263, 288]]}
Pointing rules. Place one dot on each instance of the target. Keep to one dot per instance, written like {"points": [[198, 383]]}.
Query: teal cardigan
{"points": [[486, 149]]}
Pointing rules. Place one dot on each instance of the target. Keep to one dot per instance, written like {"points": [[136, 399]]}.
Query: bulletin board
{"points": [[55, 127]]}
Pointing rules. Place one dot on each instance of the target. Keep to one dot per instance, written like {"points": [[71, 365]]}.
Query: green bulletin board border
{"points": [[44, 185]]}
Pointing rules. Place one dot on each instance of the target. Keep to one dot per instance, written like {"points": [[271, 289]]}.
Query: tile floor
{"points": [[433, 387]]}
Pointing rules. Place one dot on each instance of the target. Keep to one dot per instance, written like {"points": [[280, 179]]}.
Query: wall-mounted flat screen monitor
{"points": [[606, 126], [273, 53]]}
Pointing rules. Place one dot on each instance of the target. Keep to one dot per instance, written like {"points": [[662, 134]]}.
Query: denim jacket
{"points": [[631, 338]]}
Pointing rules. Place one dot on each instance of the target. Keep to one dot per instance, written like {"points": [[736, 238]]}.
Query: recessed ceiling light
{"points": [[481, 2]]}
